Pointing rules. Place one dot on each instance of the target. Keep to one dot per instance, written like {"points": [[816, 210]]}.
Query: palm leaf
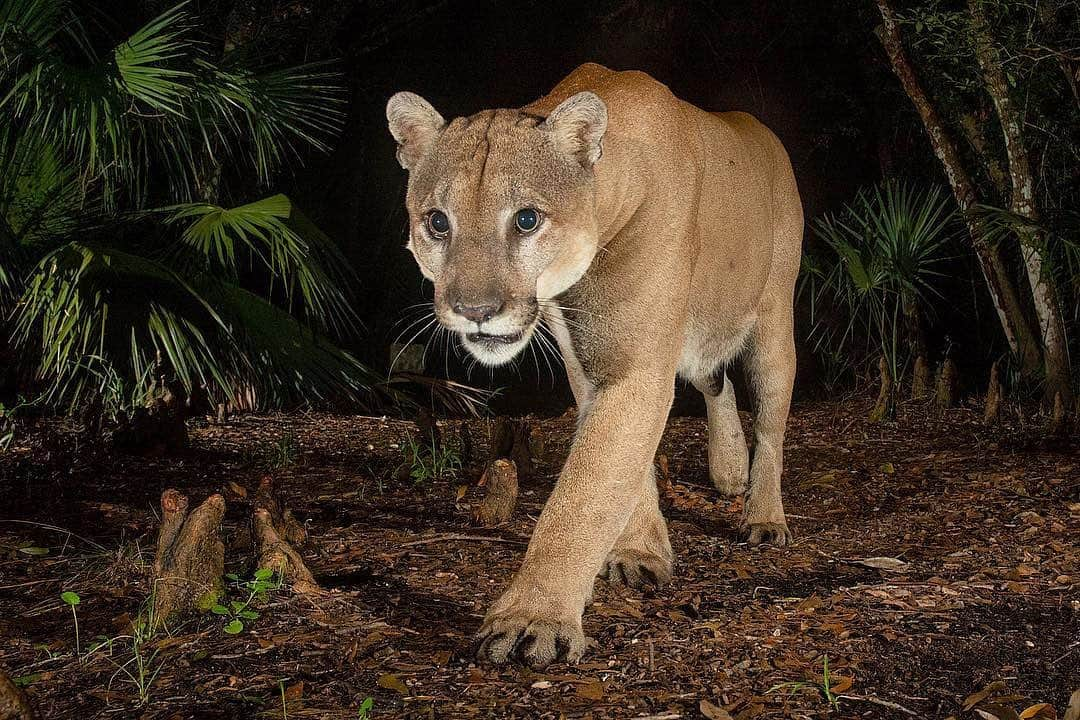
{"points": [[308, 268], [143, 61]]}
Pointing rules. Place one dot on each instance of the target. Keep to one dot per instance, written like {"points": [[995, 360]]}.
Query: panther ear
{"points": [[414, 124], [578, 126]]}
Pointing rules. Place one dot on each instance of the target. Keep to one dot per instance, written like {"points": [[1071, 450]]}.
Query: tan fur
{"points": [[670, 245]]}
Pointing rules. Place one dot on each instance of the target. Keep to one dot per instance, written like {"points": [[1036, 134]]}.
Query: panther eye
{"points": [[438, 224], [526, 220]]}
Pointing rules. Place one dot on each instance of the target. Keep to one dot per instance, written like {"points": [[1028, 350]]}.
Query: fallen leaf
{"points": [[997, 712], [592, 690], [541, 685], [992, 689], [713, 712], [393, 682], [840, 683], [295, 692], [1039, 710], [883, 563]]}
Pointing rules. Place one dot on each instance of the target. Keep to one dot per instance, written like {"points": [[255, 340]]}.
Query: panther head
{"points": [[502, 215]]}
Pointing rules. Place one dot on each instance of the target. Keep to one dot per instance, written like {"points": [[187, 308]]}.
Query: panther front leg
{"points": [[538, 618]]}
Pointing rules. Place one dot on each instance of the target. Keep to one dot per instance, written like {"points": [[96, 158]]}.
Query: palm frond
{"points": [[86, 301], [306, 268], [143, 61], [289, 362], [275, 112]]}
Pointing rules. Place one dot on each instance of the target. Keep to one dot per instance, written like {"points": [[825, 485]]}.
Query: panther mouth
{"points": [[492, 341]]}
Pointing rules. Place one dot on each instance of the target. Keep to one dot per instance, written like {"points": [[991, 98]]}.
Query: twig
{"points": [[878, 701], [665, 716], [452, 537]]}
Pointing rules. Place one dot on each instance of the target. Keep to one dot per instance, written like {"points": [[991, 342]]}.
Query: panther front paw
{"points": [[773, 533], [636, 568], [534, 637]]}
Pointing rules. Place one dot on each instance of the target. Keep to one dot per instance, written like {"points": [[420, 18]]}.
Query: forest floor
{"points": [[978, 591]]}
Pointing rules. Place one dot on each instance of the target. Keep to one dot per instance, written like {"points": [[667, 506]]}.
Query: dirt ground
{"points": [[934, 557]]}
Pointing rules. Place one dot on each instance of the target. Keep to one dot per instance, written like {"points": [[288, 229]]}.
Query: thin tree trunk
{"points": [[1022, 203], [1013, 323], [1047, 13]]}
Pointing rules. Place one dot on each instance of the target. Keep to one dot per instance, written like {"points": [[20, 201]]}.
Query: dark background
{"points": [[813, 72]]}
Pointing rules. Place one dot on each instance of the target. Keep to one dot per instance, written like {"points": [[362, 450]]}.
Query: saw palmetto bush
{"points": [[870, 293], [140, 246]]}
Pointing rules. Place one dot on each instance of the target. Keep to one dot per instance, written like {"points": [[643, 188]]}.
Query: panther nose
{"points": [[477, 313]]}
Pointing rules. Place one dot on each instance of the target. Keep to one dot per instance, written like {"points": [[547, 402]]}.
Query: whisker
{"points": [[417, 334], [411, 325]]}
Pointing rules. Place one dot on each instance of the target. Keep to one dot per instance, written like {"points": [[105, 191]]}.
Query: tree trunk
{"points": [[945, 392], [1022, 203], [993, 395], [921, 379], [159, 428], [13, 702], [885, 408], [1047, 13], [190, 558], [1010, 313], [500, 479], [511, 439]]}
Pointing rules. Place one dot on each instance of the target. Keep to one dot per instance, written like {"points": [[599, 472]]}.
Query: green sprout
{"points": [[824, 686], [427, 463], [364, 713], [237, 611], [73, 599]]}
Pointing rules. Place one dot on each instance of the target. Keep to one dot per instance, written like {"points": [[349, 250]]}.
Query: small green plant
{"points": [[285, 453], [235, 612], [46, 651], [872, 291], [7, 421], [364, 713], [824, 686], [142, 669], [430, 462], [72, 599]]}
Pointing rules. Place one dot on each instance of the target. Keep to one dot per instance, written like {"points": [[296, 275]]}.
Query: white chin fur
{"points": [[493, 356]]}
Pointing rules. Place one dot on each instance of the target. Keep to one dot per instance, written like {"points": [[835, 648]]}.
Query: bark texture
{"points": [[921, 380], [190, 558], [275, 553], [885, 407], [945, 392], [992, 411], [511, 439], [274, 532], [1057, 417], [266, 498], [500, 479], [13, 702]]}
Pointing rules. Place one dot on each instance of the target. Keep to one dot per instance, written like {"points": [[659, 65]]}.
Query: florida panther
{"points": [[655, 239]]}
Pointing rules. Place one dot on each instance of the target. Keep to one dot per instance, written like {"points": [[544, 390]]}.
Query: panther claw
{"points": [[636, 569], [776, 534], [534, 642]]}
